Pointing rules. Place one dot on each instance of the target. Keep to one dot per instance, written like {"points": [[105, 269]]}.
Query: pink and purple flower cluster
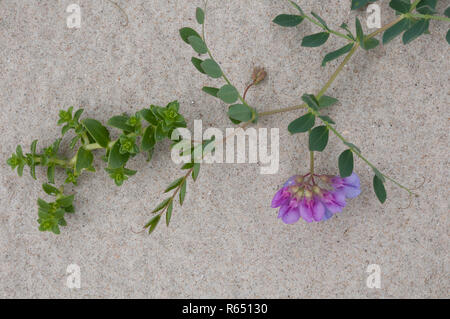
{"points": [[301, 197]]}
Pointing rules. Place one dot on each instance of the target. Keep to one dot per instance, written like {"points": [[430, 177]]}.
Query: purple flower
{"points": [[333, 201], [349, 185], [290, 213], [312, 209], [282, 197]]}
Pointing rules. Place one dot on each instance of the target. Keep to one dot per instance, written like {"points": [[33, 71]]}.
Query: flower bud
{"points": [[259, 74]]}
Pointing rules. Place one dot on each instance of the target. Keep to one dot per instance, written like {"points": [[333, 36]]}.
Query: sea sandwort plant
{"points": [[311, 196]]}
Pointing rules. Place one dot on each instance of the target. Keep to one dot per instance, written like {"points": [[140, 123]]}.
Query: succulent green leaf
{"points": [[148, 140], [97, 131], [84, 160], [302, 124], [50, 190], [120, 122], [51, 174], [115, 158]]}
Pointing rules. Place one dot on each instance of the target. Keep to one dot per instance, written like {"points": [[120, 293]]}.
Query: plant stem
{"points": [[354, 150], [334, 75], [311, 161], [427, 16]]}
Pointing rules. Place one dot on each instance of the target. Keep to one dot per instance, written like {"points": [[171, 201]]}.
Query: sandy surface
{"points": [[226, 240]]}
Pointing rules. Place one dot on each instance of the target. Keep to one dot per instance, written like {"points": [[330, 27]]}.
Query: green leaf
{"points": [[378, 174], [120, 122], [311, 101], [174, 184], [149, 116], [66, 201], [97, 131], [417, 29], [370, 43], [336, 54], [401, 6], [50, 190], [315, 40], [302, 124], [183, 193], [198, 44], [297, 7], [327, 119], [240, 112], [288, 20], [447, 12], [228, 94], [84, 159], [51, 174], [148, 140], [359, 32], [161, 205], [195, 171], [395, 30], [211, 68], [153, 223], [210, 91], [43, 205], [115, 158], [185, 33], [326, 101], [197, 63], [33, 147], [321, 21], [318, 138], [356, 4], [380, 191], [447, 37], [427, 7], [169, 213], [346, 163], [200, 15]]}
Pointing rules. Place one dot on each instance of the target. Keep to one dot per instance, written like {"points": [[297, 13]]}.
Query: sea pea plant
{"points": [[311, 196]]}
